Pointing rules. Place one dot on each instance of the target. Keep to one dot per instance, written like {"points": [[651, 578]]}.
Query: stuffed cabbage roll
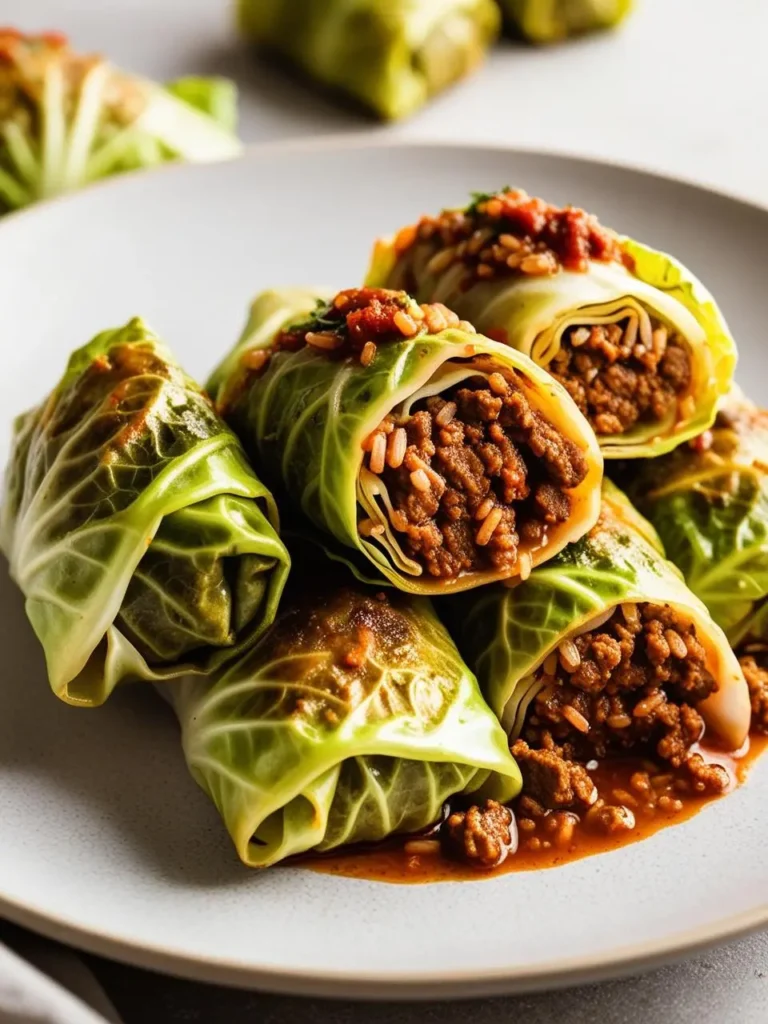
{"points": [[142, 540], [633, 336], [709, 502], [446, 459], [353, 719], [604, 652], [390, 55], [67, 119], [549, 21]]}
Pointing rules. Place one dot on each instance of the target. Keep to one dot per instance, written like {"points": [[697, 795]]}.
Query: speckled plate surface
{"points": [[105, 840]]}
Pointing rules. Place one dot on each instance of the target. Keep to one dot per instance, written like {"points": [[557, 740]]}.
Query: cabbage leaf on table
{"points": [[303, 418], [709, 503], [352, 719], [550, 21], [68, 119], [390, 55], [143, 542], [506, 633]]}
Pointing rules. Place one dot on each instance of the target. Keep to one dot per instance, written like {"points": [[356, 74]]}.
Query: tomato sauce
{"points": [[391, 862]]}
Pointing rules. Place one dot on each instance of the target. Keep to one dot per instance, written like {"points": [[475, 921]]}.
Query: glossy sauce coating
{"points": [[391, 863]]}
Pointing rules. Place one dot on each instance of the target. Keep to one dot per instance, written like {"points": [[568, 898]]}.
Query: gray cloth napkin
{"points": [[42, 982]]}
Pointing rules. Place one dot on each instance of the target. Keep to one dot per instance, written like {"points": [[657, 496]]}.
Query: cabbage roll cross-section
{"points": [[447, 459], [634, 337], [351, 721]]}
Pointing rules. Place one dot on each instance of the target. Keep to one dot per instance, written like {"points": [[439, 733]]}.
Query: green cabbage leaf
{"points": [[140, 537], [709, 503], [351, 720], [549, 21]]}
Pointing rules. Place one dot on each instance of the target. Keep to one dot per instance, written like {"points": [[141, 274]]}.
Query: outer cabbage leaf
{"points": [[270, 311], [618, 507], [215, 97], [70, 119], [143, 542], [531, 313], [352, 719], [303, 421], [549, 21], [391, 55], [710, 506], [506, 633]]}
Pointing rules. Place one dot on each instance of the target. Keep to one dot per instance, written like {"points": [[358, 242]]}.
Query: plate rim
{"points": [[399, 985], [391, 985]]}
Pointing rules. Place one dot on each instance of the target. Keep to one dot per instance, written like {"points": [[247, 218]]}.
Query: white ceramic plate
{"points": [[105, 840]]}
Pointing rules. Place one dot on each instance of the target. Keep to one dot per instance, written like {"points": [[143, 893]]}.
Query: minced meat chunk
{"points": [[619, 382], [610, 818], [615, 701], [480, 836], [707, 778], [630, 686], [757, 681], [634, 682], [552, 780], [471, 473]]}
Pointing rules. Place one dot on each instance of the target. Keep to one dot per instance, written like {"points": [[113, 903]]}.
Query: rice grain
{"points": [[570, 658], [577, 720], [420, 480], [489, 524], [378, 454], [397, 445]]}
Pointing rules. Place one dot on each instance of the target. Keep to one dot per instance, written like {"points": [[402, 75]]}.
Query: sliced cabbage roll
{"points": [[636, 339], [448, 460], [143, 542], [709, 502], [353, 719], [390, 55], [549, 21], [605, 650], [67, 119]]}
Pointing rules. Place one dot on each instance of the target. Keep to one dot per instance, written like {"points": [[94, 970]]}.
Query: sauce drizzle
{"points": [[390, 862]]}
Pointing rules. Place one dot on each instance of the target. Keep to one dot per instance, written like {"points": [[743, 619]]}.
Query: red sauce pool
{"points": [[391, 863]]}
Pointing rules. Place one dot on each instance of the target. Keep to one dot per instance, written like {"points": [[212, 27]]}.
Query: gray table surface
{"points": [[683, 90]]}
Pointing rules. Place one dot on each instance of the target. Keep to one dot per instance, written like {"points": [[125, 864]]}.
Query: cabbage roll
{"points": [[605, 652], [68, 119], [709, 503], [549, 21], [634, 337], [446, 459], [143, 542], [390, 55], [351, 720]]}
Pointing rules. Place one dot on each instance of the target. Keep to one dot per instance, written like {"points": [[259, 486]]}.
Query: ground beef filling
{"points": [[628, 688], [481, 835], [755, 669], [617, 381], [510, 232], [473, 475]]}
